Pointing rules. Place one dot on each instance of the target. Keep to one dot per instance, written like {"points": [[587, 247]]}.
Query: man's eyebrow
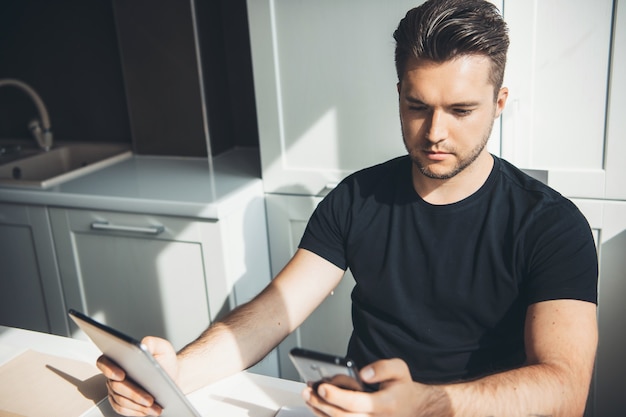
{"points": [[415, 100], [465, 104]]}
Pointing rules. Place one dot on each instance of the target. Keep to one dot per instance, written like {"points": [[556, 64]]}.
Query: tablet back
{"points": [[139, 364]]}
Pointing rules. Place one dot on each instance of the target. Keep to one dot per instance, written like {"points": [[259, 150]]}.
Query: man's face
{"points": [[447, 111]]}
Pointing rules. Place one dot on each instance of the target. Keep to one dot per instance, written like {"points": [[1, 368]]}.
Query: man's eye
{"points": [[462, 112], [417, 108]]}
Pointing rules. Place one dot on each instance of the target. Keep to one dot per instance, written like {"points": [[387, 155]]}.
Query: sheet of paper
{"points": [[294, 412], [34, 384]]}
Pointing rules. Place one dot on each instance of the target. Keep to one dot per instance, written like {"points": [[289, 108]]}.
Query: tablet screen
{"points": [[139, 364]]}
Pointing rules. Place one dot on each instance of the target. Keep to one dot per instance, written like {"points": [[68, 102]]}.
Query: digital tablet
{"points": [[139, 365]]}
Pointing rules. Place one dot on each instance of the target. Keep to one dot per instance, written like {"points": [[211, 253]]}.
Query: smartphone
{"points": [[316, 367]]}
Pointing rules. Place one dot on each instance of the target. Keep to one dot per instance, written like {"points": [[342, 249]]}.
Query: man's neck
{"points": [[457, 188]]}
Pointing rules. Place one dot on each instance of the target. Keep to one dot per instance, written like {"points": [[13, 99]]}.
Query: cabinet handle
{"points": [[150, 230]]}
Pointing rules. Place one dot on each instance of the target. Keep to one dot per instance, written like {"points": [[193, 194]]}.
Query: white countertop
{"points": [[244, 394], [194, 187]]}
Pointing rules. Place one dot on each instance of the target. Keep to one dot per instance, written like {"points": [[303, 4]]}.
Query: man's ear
{"points": [[398, 86], [503, 95]]}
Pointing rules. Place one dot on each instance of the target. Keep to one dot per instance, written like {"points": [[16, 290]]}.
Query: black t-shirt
{"points": [[446, 287]]}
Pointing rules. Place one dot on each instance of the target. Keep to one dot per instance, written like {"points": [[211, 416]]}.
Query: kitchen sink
{"points": [[43, 169]]}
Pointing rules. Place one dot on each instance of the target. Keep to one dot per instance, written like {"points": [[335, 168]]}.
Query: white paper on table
{"points": [[294, 412]]}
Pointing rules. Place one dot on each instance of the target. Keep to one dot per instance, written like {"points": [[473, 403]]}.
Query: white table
{"points": [[244, 394]]}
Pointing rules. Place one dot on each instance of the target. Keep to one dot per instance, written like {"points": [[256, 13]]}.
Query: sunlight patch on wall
{"points": [[321, 136]]}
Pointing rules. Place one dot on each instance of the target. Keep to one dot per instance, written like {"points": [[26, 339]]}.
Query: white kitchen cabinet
{"points": [[334, 109], [30, 289], [161, 275], [144, 275], [557, 74], [328, 329], [608, 221], [321, 95]]}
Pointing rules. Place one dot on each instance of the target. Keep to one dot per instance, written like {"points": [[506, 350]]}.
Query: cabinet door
{"points": [[325, 87], [30, 289], [145, 275], [557, 74], [608, 221], [328, 329]]}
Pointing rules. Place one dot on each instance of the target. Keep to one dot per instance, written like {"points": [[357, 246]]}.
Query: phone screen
{"points": [[316, 367]]}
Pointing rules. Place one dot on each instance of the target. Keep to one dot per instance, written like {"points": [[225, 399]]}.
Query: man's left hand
{"points": [[397, 396]]}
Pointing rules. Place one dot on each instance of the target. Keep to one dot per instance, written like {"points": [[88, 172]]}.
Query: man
{"points": [[475, 284]]}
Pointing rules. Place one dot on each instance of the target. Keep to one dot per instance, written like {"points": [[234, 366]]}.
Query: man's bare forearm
{"points": [[252, 330], [232, 344], [531, 391], [561, 338]]}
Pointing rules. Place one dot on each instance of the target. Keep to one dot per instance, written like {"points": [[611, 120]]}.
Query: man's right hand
{"points": [[126, 397]]}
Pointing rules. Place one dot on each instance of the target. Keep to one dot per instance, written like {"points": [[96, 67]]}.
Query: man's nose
{"points": [[437, 129]]}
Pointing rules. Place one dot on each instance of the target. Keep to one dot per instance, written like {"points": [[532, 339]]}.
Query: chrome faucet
{"points": [[40, 128]]}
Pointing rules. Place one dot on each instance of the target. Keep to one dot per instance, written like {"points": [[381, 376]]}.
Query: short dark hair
{"points": [[441, 30]]}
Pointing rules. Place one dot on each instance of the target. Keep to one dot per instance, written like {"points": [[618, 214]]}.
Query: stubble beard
{"points": [[461, 164]]}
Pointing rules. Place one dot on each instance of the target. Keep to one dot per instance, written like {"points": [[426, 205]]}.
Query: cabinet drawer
{"points": [[140, 273]]}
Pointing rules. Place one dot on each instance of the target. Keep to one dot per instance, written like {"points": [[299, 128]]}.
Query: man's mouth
{"points": [[436, 155]]}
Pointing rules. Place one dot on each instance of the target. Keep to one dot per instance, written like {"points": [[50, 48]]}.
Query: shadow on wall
{"points": [[610, 396]]}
